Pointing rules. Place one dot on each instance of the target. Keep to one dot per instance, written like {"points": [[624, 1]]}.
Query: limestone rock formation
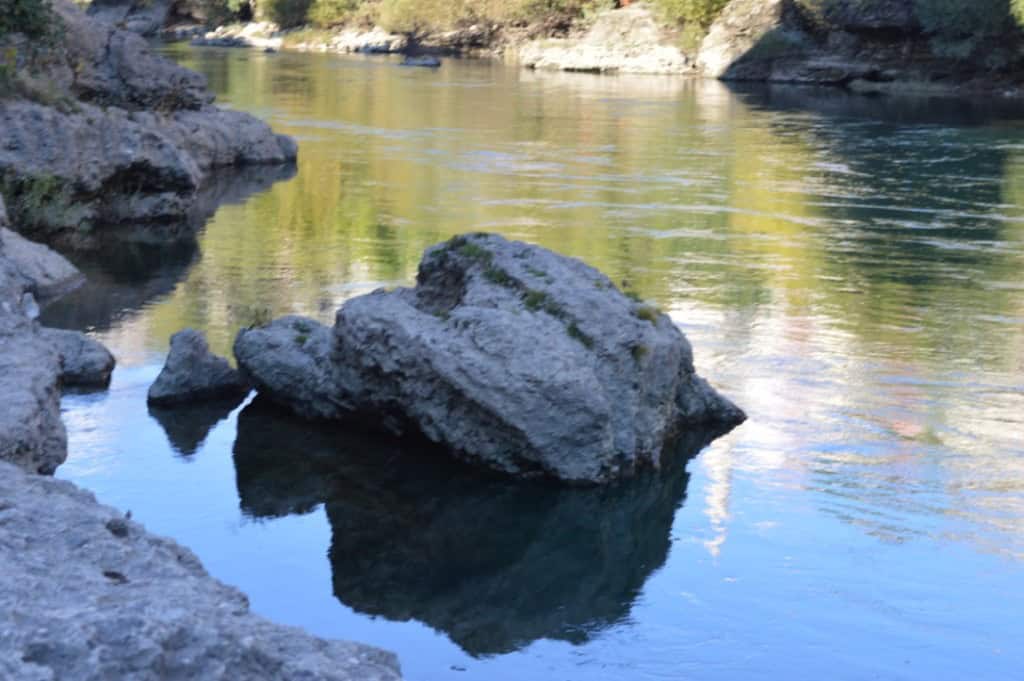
{"points": [[122, 134], [627, 40], [131, 605], [511, 356], [194, 374], [878, 45]]}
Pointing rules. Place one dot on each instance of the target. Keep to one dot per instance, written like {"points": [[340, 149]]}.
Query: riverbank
{"points": [[97, 133], [861, 47]]}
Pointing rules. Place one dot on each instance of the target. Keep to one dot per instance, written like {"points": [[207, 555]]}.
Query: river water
{"points": [[849, 270]]}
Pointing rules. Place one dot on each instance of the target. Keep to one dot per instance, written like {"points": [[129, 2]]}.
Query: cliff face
{"points": [[96, 129], [866, 44]]}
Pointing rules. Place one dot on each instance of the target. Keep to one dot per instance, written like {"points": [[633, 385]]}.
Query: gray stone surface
{"points": [[124, 135], [84, 362], [509, 355], [49, 273], [35, 361], [627, 40], [145, 17], [290, 361], [194, 374], [867, 45], [32, 435], [88, 595]]}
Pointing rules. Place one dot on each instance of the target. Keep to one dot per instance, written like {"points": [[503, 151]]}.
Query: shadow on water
{"points": [[127, 267], [910, 109], [187, 426], [494, 564]]}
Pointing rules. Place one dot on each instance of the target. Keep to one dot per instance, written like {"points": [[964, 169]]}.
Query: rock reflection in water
{"points": [[188, 425], [127, 267], [494, 564]]}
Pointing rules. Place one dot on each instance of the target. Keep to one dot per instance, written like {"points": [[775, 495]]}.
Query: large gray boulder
{"points": [[511, 356], [194, 374], [131, 605]]}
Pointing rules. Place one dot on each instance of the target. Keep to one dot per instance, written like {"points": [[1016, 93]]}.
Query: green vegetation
{"points": [[412, 17], [639, 351], [646, 313], [576, 334], [32, 18], [499, 276], [470, 250], [39, 201], [284, 13], [690, 12], [963, 18]]}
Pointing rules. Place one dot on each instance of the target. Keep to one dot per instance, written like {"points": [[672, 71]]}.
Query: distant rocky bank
{"points": [[865, 45], [97, 131]]}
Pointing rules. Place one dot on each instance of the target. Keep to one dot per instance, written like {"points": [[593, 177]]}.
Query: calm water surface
{"points": [[850, 271]]}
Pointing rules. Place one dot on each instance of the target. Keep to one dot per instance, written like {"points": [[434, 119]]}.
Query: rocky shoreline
{"points": [[102, 132], [99, 134], [877, 47], [128, 603]]}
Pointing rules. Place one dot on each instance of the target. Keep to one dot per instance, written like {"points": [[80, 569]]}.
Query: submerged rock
{"points": [[84, 362], [193, 374], [131, 605], [511, 356], [424, 61]]}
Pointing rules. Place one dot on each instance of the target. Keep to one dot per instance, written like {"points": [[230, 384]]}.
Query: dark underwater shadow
{"points": [[493, 563], [128, 266], [902, 109], [188, 425]]}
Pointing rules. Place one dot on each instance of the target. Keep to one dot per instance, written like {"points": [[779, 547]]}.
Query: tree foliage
{"points": [[31, 18]]}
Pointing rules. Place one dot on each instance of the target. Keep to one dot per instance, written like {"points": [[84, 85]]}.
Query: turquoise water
{"points": [[849, 270]]}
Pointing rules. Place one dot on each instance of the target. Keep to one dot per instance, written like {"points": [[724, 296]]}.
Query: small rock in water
{"points": [[425, 61], [192, 374], [84, 361]]}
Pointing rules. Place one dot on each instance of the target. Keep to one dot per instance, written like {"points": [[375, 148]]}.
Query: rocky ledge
{"points": [[627, 40], [86, 594], [509, 355], [102, 131], [867, 45]]}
